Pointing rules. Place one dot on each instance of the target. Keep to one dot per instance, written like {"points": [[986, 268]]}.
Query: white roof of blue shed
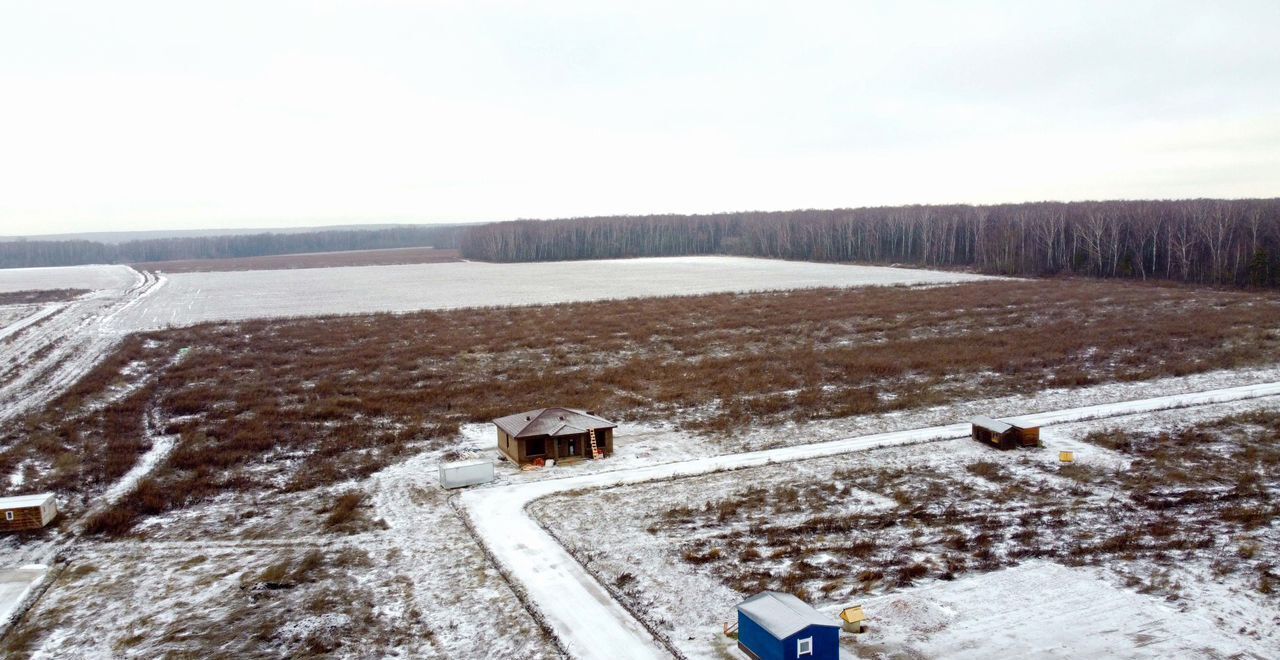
{"points": [[783, 615]]}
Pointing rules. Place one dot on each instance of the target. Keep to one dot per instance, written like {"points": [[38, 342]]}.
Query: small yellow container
{"points": [[1067, 456]]}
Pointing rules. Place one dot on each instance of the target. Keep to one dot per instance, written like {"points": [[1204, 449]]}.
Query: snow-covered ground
{"points": [[412, 584], [11, 315], [66, 277], [419, 585], [689, 603], [1040, 609], [44, 353], [565, 593], [196, 297], [15, 584]]}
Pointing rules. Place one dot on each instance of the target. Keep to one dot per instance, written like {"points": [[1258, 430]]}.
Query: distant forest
{"points": [[28, 253], [1226, 242]]}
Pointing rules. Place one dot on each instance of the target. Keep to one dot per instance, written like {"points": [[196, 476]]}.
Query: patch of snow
{"points": [[15, 585], [310, 626], [160, 447], [1039, 609], [477, 437]]}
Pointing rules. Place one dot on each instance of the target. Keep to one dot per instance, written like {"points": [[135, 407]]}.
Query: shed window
{"points": [[804, 646], [8, 515]]}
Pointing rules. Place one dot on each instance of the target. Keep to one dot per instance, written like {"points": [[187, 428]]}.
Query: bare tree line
{"points": [[28, 253], [1225, 242]]}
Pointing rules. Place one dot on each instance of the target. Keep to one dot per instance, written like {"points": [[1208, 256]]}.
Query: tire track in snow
{"points": [[161, 446], [565, 595], [31, 319], [74, 342]]}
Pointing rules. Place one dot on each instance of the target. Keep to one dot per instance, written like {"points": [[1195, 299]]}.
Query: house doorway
{"points": [[572, 447]]}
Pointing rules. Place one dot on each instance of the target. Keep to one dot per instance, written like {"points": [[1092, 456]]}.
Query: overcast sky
{"points": [[156, 115]]}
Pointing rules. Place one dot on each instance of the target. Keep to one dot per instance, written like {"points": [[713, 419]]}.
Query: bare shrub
{"points": [[989, 470], [344, 509], [1114, 439], [31, 297]]}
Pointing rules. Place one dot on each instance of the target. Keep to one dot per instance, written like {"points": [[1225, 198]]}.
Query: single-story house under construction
{"points": [[1004, 435], [554, 433], [27, 512], [777, 626]]}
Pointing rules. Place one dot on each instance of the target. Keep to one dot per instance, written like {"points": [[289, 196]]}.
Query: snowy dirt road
{"points": [[15, 585], [46, 352], [580, 611]]}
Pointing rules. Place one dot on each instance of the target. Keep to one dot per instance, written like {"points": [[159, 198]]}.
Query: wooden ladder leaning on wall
{"points": [[595, 447]]}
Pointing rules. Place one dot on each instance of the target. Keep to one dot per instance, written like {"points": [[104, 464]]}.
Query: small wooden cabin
{"points": [[27, 512], [554, 433], [1004, 435], [778, 626]]}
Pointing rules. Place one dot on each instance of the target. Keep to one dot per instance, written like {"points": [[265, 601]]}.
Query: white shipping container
{"points": [[465, 473]]}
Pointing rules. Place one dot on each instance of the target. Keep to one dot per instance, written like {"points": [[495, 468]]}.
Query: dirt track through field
{"points": [[72, 337], [565, 594]]}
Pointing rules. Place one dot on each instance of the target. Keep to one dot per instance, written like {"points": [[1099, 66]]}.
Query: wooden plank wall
{"points": [[23, 518]]}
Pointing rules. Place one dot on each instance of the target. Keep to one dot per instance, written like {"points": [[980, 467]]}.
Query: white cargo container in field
{"points": [[465, 473]]}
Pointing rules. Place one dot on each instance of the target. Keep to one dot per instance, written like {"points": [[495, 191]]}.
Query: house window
{"points": [[535, 447], [804, 646], [8, 515]]}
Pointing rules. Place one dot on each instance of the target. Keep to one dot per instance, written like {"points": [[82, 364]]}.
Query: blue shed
{"points": [[778, 626]]}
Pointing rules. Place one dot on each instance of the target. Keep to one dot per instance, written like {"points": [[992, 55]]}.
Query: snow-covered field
{"points": [[190, 298], [417, 584], [66, 277], [564, 591], [1041, 609], [73, 335], [421, 588], [688, 604], [44, 352]]}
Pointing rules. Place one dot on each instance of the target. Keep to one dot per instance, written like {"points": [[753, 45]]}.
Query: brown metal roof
{"points": [[552, 422]]}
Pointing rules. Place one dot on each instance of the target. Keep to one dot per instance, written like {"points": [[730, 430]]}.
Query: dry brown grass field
{"points": [[1180, 494], [292, 405], [386, 257], [39, 296]]}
